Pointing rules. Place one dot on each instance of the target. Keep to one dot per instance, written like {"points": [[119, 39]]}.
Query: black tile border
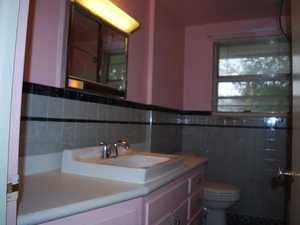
{"points": [[234, 126], [65, 120], [196, 113], [60, 120], [38, 89]]}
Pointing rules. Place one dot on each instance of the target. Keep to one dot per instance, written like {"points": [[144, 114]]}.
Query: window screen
{"points": [[253, 75]]}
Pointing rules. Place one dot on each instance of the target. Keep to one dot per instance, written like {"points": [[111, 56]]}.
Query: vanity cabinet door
{"points": [[195, 200], [180, 214], [178, 217], [168, 220], [126, 213], [195, 204], [197, 220], [197, 180], [164, 201]]}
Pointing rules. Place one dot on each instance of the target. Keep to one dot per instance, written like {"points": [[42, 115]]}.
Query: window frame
{"points": [[262, 77]]}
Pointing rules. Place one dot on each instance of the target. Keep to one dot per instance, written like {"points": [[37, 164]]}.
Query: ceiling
{"points": [[197, 12]]}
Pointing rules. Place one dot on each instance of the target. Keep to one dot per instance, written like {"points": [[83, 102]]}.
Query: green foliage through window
{"points": [[253, 75]]}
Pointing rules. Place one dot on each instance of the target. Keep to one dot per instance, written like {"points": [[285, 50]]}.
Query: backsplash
{"points": [[242, 151], [165, 132], [51, 124], [54, 119]]}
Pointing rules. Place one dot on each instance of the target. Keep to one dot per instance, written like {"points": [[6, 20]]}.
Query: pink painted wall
{"points": [[168, 65], [138, 48], [167, 77], [198, 61], [42, 65], [152, 79]]}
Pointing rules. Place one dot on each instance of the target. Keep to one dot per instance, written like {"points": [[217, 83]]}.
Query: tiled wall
{"points": [[245, 152], [51, 124], [241, 151], [165, 132]]}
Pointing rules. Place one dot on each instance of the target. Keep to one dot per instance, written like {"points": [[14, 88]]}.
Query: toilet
{"points": [[217, 198]]}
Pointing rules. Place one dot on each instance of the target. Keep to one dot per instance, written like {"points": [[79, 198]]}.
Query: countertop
{"points": [[52, 195]]}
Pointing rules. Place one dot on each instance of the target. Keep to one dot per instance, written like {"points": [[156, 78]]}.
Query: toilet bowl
{"points": [[217, 198]]}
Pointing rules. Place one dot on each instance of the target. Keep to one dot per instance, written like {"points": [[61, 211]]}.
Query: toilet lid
{"points": [[221, 192]]}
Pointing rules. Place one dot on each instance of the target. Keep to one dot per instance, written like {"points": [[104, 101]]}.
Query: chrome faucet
{"points": [[106, 150], [112, 150]]}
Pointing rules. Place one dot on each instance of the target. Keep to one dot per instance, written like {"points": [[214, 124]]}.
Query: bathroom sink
{"points": [[136, 161], [129, 166]]}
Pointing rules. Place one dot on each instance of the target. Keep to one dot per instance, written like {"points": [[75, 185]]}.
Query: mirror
{"points": [[97, 55]]}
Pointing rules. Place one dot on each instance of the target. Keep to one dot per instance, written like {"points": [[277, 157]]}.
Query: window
{"points": [[252, 75]]}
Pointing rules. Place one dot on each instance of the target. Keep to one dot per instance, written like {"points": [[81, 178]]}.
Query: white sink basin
{"points": [[131, 166], [136, 161]]}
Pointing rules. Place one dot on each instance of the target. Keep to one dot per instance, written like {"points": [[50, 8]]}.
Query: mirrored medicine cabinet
{"points": [[97, 55]]}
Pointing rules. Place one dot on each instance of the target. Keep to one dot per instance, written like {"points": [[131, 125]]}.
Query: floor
{"points": [[249, 220]]}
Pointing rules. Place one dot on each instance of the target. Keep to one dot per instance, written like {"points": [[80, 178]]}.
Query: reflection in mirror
{"points": [[97, 55]]}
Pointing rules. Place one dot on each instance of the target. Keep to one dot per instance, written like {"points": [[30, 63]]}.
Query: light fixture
{"points": [[110, 13]]}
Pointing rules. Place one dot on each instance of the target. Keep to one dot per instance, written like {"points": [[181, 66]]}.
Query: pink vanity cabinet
{"points": [[125, 213], [195, 194], [177, 203]]}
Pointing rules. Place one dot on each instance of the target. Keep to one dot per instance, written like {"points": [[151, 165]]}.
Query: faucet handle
{"points": [[102, 143], [124, 143]]}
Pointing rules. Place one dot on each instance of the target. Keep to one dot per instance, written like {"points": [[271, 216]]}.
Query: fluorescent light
{"points": [[110, 13]]}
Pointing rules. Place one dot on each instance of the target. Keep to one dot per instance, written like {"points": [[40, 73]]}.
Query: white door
{"points": [[295, 196], [13, 28]]}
